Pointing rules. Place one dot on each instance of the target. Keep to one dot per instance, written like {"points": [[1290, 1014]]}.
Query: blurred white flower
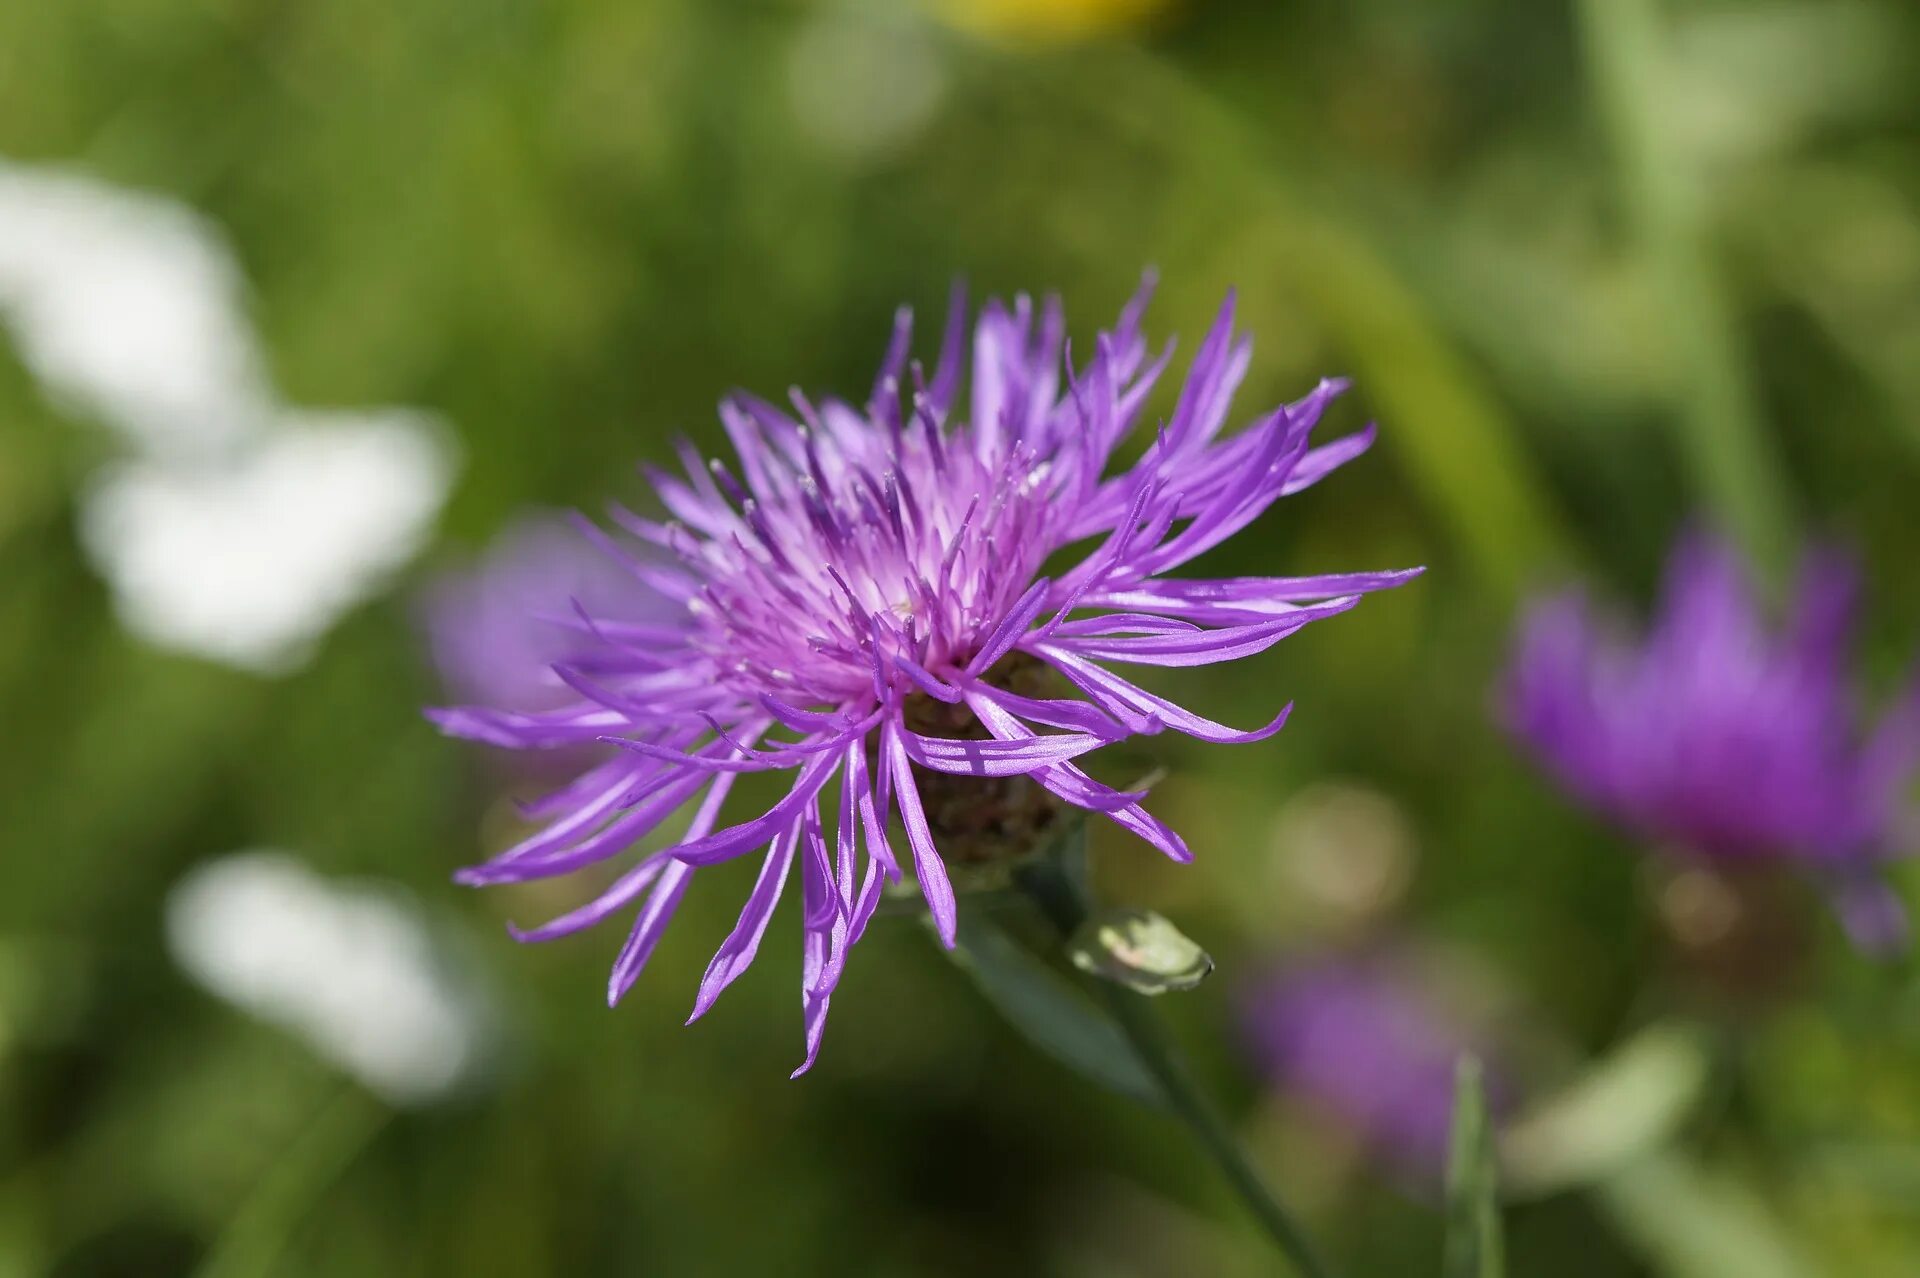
{"points": [[128, 307], [236, 528], [249, 561], [350, 968]]}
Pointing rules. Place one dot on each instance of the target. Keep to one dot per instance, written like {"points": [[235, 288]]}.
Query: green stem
{"points": [[1719, 413], [1064, 902], [257, 1233]]}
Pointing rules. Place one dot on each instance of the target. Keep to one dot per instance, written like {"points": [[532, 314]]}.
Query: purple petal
{"points": [[752, 834], [736, 952], [995, 758], [927, 865], [624, 889], [1130, 702], [1324, 460], [1234, 598], [1076, 787], [1075, 716], [1011, 627], [648, 929], [1201, 647]]}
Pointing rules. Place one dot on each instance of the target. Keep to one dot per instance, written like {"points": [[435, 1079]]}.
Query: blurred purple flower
{"points": [[867, 581], [1719, 740], [1364, 1039], [498, 626]]}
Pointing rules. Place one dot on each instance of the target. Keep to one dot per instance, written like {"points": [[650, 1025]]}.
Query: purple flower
{"points": [[1719, 740], [859, 601], [1367, 1041]]}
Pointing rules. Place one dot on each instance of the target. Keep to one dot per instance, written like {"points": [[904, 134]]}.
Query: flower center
{"points": [[979, 821], [893, 545]]}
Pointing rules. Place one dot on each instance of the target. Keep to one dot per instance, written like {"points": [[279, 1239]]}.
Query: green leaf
{"points": [[1043, 1005], [1693, 1221], [1628, 1104], [1473, 1207], [1140, 950]]}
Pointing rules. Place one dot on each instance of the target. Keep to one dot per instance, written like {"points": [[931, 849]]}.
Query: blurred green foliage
{"points": [[569, 225]]}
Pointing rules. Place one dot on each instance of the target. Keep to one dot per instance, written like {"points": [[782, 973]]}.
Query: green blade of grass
{"points": [[1473, 1248]]}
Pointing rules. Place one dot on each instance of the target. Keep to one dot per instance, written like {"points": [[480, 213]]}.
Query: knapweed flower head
{"points": [[873, 602], [1716, 738], [1365, 1040]]}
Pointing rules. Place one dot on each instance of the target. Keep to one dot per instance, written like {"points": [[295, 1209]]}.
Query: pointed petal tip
{"points": [[1271, 728], [936, 889], [814, 1012], [467, 724], [703, 1002], [618, 983]]}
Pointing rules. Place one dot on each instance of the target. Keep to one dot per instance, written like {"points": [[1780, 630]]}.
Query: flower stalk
{"points": [[1062, 899]]}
